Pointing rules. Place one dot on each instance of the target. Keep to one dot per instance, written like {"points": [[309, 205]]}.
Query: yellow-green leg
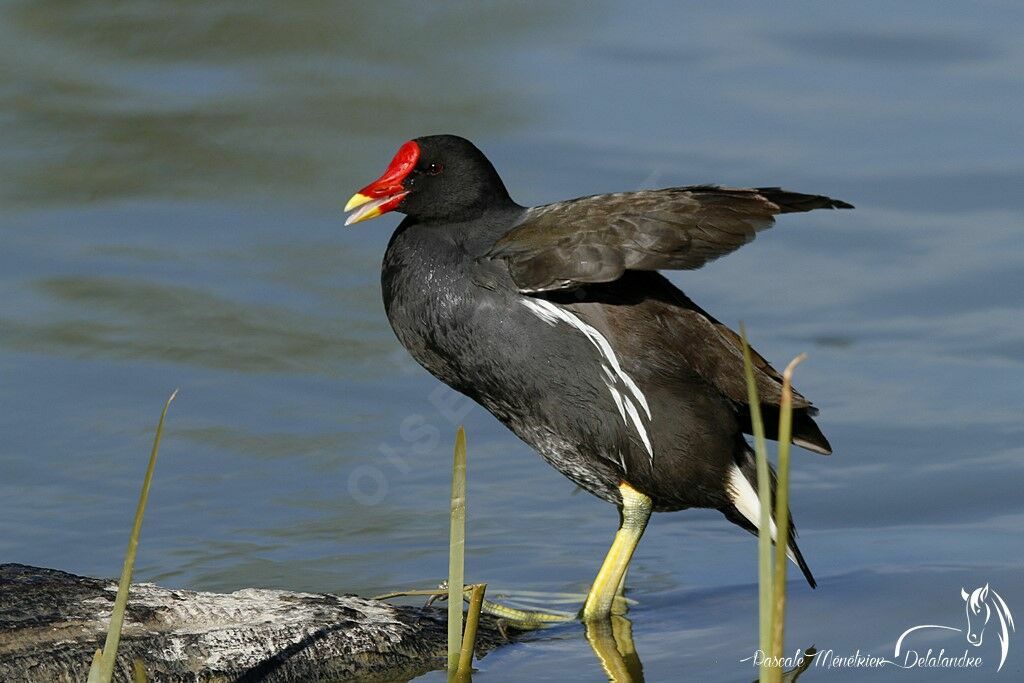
{"points": [[619, 604], [607, 594], [610, 581]]}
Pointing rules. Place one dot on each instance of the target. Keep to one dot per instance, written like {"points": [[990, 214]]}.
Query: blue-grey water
{"points": [[171, 181]]}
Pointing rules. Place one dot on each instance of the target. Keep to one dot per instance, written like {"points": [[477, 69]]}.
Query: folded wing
{"points": [[666, 335]]}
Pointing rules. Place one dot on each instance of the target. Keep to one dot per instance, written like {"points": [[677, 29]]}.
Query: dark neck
{"points": [[491, 199], [473, 232]]}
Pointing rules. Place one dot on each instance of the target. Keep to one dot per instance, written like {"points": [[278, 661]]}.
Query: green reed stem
{"points": [[102, 670], [764, 536], [782, 515], [476, 601], [456, 553], [139, 671]]}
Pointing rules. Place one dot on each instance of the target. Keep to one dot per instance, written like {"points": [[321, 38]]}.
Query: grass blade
{"points": [[476, 602], [109, 657], [764, 538], [456, 552], [782, 508], [139, 671], [94, 668]]}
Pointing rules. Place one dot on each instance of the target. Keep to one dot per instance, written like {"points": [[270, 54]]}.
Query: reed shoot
{"points": [[102, 669], [456, 553]]}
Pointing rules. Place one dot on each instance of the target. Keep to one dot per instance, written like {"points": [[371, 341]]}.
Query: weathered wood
{"points": [[51, 622]]}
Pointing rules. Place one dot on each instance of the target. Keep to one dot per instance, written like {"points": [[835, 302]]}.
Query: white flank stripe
{"points": [[548, 313], [746, 500], [636, 392], [617, 397], [635, 416], [624, 391]]}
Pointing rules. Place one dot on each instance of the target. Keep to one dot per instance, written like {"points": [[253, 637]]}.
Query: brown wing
{"points": [[653, 324], [598, 238], [716, 353]]}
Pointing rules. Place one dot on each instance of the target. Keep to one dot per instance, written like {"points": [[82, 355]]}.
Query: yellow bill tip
{"points": [[357, 201], [363, 215]]}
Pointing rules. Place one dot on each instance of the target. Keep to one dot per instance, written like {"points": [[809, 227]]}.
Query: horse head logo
{"points": [[979, 605], [978, 610]]}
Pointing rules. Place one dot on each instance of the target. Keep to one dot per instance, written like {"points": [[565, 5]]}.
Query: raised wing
{"points": [[598, 238]]}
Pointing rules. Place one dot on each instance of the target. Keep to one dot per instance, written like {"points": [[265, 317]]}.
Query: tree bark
{"points": [[51, 622]]}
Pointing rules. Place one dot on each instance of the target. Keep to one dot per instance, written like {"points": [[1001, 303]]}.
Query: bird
{"points": [[556, 319]]}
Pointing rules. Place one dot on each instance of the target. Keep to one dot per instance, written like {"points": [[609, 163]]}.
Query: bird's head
{"points": [[433, 178]]}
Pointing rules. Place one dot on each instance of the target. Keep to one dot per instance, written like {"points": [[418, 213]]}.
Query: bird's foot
{"points": [[526, 619], [523, 617], [517, 608]]}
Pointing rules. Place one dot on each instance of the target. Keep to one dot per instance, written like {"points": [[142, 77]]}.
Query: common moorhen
{"points": [[555, 319]]}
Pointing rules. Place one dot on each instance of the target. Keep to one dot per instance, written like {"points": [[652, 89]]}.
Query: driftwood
{"points": [[51, 622]]}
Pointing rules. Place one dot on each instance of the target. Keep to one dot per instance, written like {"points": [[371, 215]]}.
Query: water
{"points": [[172, 176]]}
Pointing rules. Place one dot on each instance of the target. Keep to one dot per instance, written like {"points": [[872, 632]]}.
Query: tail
{"points": [[745, 510]]}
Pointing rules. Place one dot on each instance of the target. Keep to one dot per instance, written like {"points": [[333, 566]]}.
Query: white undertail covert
{"points": [[744, 497]]}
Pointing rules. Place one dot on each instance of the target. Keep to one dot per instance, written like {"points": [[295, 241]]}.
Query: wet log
{"points": [[51, 622]]}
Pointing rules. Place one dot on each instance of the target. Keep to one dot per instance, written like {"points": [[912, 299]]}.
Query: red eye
{"points": [[435, 169]]}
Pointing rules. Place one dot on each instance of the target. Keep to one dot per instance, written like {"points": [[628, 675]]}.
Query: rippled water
{"points": [[172, 175]]}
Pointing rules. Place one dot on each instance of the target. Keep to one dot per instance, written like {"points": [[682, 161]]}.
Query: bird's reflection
{"points": [[610, 638], [612, 642]]}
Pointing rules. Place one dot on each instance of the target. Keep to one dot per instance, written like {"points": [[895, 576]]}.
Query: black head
{"points": [[433, 178]]}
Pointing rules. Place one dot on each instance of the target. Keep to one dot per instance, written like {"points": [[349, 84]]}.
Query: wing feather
{"points": [[597, 238]]}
